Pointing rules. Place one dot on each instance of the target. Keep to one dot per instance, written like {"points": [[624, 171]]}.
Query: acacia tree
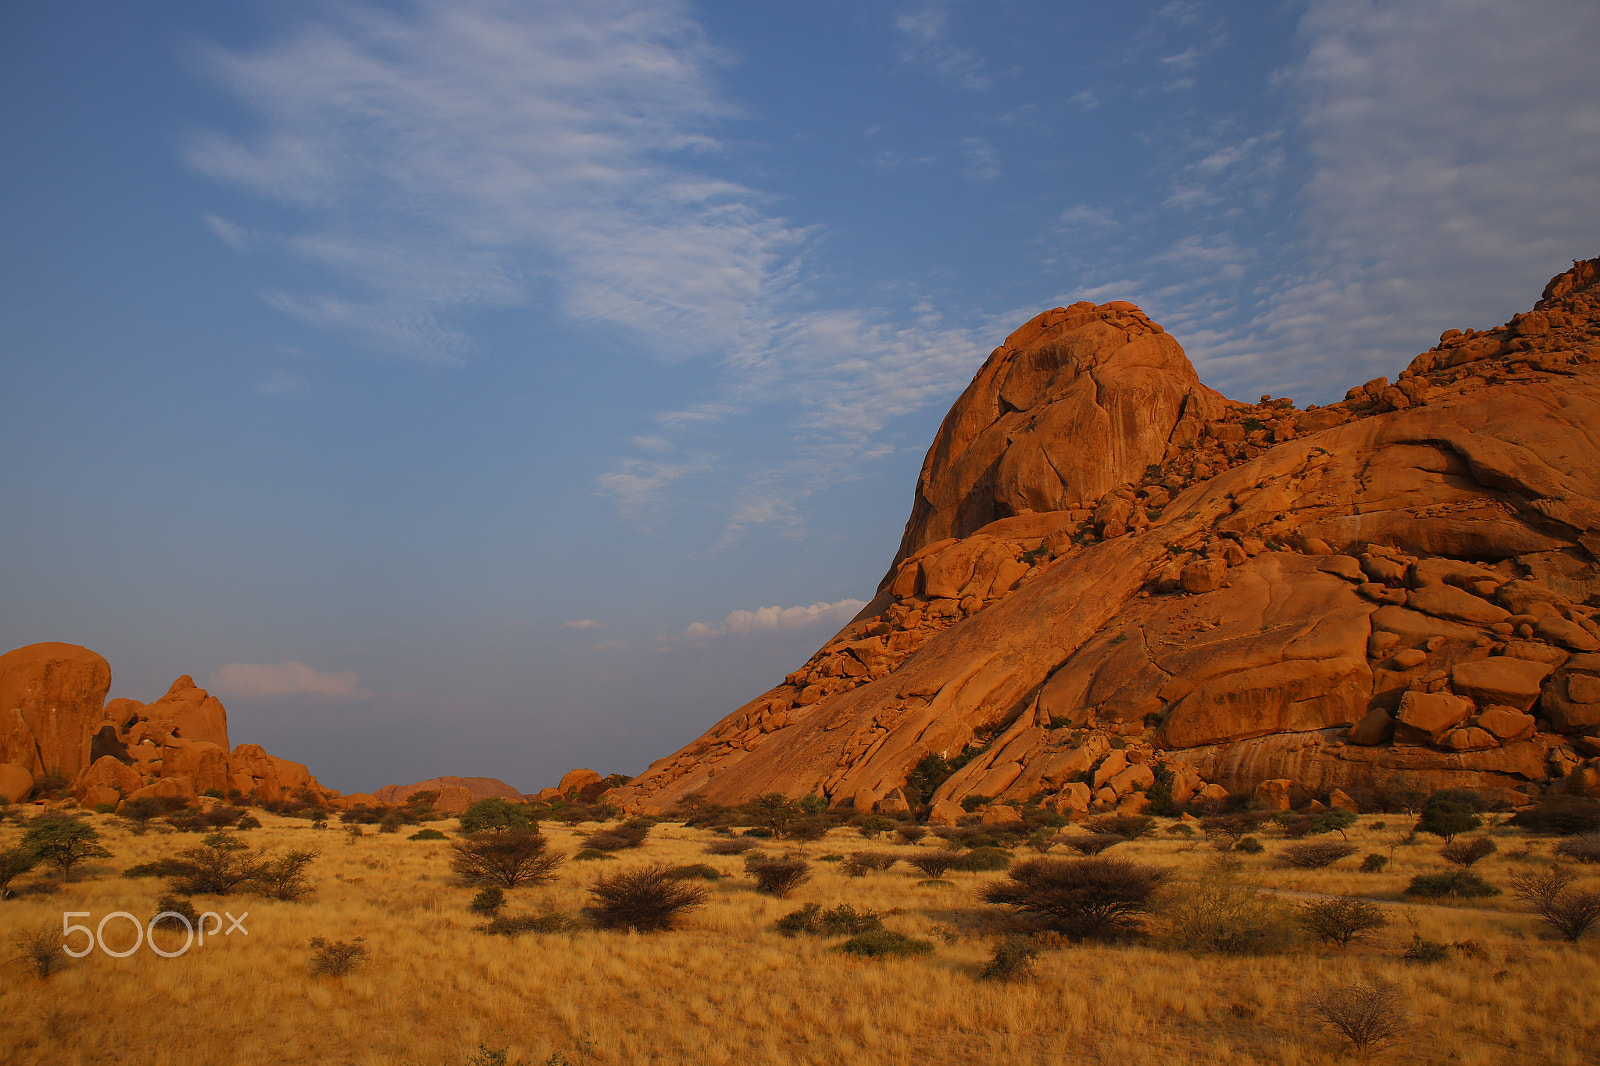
{"points": [[63, 841], [507, 858]]}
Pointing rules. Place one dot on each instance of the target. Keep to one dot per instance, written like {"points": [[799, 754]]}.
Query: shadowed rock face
{"points": [[1108, 562]]}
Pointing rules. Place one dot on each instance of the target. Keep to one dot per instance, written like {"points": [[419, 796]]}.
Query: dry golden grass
{"points": [[727, 989]]}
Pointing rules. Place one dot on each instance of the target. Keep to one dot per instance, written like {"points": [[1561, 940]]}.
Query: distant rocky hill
{"points": [[54, 718], [1115, 581]]}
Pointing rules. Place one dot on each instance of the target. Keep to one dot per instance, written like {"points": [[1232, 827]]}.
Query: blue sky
{"points": [[500, 387]]}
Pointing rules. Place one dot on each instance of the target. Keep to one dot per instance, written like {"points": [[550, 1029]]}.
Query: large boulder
{"points": [[51, 700], [16, 783]]}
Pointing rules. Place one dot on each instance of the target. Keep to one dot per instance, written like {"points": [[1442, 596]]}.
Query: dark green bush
{"points": [[489, 900], [1425, 951], [1095, 897], [517, 924], [984, 860], [1012, 959], [698, 870], [842, 920], [428, 834], [1250, 846], [1463, 884], [1093, 843], [884, 943], [1127, 826], [496, 815], [1464, 853], [1374, 863]]}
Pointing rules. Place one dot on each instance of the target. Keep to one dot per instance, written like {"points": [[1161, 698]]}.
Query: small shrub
{"points": [[1370, 1018], [1341, 920], [1550, 894], [507, 858], [934, 864], [284, 876], [39, 949], [984, 860], [1251, 846], [911, 833], [169, 905], [1012, 960], [1464, 853], [778, 877], [1585, 848], [1127, 826], [247, 821], [1374, 863], [1572, 914], [1228, 917], [646, 899], [590, 855], [1426, 952], [489, 900], [1181, 829], [335, 958], [1463, 884], [1093, 843], [517, 924], [884, 943], [427, 834], [695, 870], [1316, 854], [1092, 897], [732, 846], [842, 920], [391, 822], [860, 862]]}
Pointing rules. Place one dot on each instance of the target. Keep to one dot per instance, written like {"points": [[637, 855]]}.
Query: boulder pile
{"points": [[55, 721]]}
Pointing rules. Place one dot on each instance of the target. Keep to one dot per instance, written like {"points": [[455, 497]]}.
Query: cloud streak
{"points": [[288, 678], [771, 620]]}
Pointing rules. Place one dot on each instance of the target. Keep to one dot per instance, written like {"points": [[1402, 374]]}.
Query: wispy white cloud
{"points": [[288, 678], [924, 33], [775, 620], [1455, 148], [235, 236], [474, 154], [581, 623]]}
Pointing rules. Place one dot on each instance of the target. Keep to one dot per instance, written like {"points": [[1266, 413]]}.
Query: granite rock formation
{"points": [[1115, 579], [56, 721]]}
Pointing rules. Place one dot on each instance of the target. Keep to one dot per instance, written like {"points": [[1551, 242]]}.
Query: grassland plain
{"points": [[727, 988]]}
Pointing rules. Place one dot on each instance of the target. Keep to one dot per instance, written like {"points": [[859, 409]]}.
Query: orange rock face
{"points": [[50, 697], [1398, 589]]}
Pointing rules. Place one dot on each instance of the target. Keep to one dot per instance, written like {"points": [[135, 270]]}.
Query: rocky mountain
{"points": [[1115, 580], [454, 794], [54, 718]]}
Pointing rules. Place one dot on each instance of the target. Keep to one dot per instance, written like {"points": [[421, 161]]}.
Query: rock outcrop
{"points": [[56, 721], [1109, 566], [455, 794]]}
